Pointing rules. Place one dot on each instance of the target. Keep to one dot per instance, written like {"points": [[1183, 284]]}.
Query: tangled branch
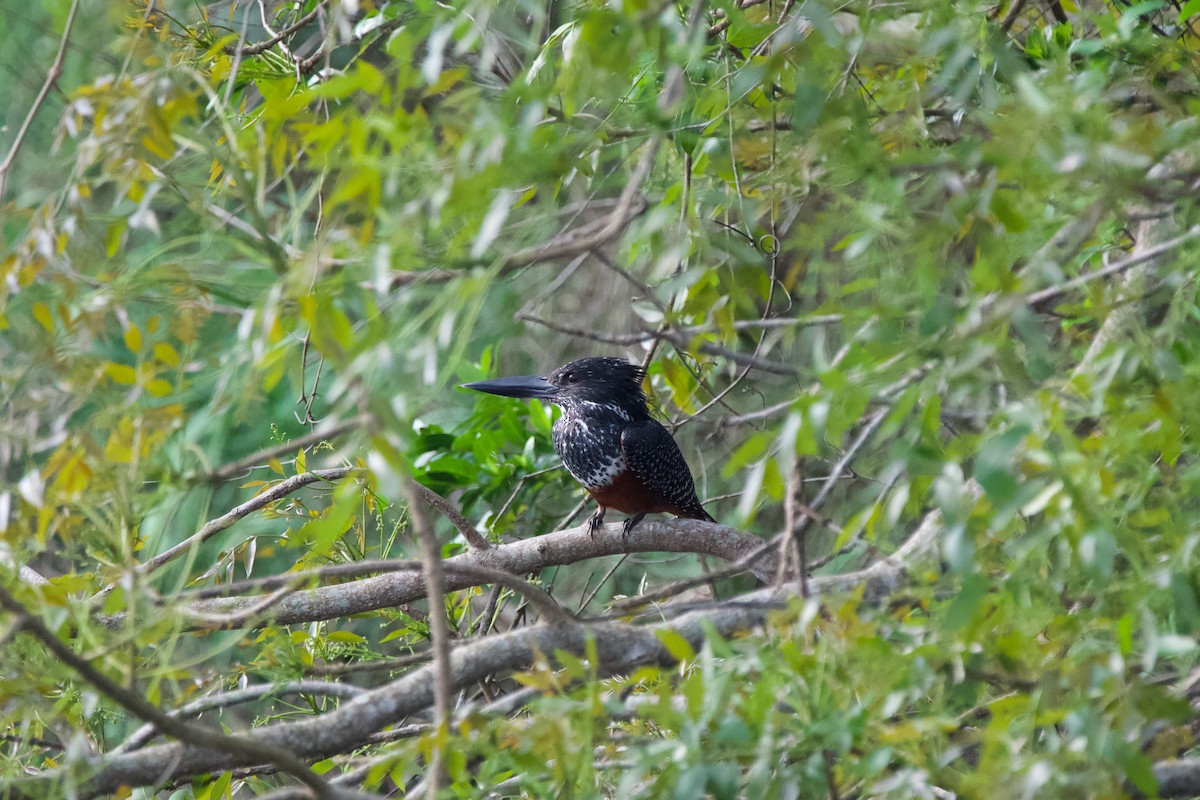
{"points": [[618, 647]]}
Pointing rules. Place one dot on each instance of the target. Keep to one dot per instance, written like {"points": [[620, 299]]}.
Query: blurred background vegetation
{"points": [[292, 229]]}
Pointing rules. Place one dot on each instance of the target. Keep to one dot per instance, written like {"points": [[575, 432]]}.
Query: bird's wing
{"points": [[656, 462]]}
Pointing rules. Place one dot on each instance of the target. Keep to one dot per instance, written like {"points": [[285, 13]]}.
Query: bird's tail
{"points": [[698, 512]]}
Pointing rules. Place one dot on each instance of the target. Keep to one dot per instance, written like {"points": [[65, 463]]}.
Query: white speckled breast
{"points": [[591, 451]]}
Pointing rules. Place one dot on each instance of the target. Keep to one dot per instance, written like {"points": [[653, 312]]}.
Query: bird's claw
{"points": [[629, 523]]}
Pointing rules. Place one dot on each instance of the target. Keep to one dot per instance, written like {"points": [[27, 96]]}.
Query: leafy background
{"points": [[818, 223]]}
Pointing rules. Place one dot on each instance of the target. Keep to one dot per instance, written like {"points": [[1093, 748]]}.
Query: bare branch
{"points": [[871, 424], [1149, 254], [1010, 17], [147, 732], [56, 69], [213, 527], [242, 616], [243, 465], [474, 538], [883, 576], [258, 47], [293, 581], [681, 339], [583, 239], [199, 738], [514, 558], [439, 635], [618, 647]]}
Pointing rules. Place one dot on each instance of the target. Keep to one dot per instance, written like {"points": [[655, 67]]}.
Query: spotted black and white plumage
{"points": [[655, 460], [608, 441]]}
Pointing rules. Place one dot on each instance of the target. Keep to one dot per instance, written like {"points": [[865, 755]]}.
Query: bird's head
{"points": [[610, 382]]}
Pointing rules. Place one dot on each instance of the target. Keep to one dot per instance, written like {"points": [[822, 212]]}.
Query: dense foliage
{"points": [[893, 266]]}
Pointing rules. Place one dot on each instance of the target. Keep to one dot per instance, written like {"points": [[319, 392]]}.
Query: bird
{"points": [[625, 459]]}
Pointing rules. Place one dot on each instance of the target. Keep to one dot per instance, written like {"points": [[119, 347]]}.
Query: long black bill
{"points": [[521, 386]]}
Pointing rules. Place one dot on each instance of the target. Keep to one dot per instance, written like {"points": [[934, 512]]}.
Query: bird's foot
{"points": [[629, 523], [594, 522]]}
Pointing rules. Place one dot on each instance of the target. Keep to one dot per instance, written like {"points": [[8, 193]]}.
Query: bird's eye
{"points": [[569, 377]]}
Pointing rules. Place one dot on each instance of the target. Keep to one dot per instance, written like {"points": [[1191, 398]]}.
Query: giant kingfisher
{"points": [[608, 441]]}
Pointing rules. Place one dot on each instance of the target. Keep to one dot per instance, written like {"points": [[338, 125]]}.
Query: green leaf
{"points": [[121, 373], [966, 603], [994, 468], [1139, 772], [676, 645], [321, 532]]}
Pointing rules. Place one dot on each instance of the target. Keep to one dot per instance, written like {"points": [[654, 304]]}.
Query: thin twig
{"points": [[739, 566], [213, 527], [762, 337], [146, 733], [517, 489], [133, 702], [1055, 292], [572, 245], [830, 781], [485, 620], [680, 339], [475, 539], [258, 47], [374, 665], [243, 465], [585, 238], [241, 616], [601, 582], [1056, 9], [56, 70]]}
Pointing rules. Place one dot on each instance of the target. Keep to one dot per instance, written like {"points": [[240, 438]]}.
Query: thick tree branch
{"points": [[1176, 778], [619, 647], [515, 558]]}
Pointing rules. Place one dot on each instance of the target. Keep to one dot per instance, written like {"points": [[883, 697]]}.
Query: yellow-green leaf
{"points": [[676, 645], [42, 314], [133, 338], [121, 373], [166, 354], [112, 237], [159, 387]]}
